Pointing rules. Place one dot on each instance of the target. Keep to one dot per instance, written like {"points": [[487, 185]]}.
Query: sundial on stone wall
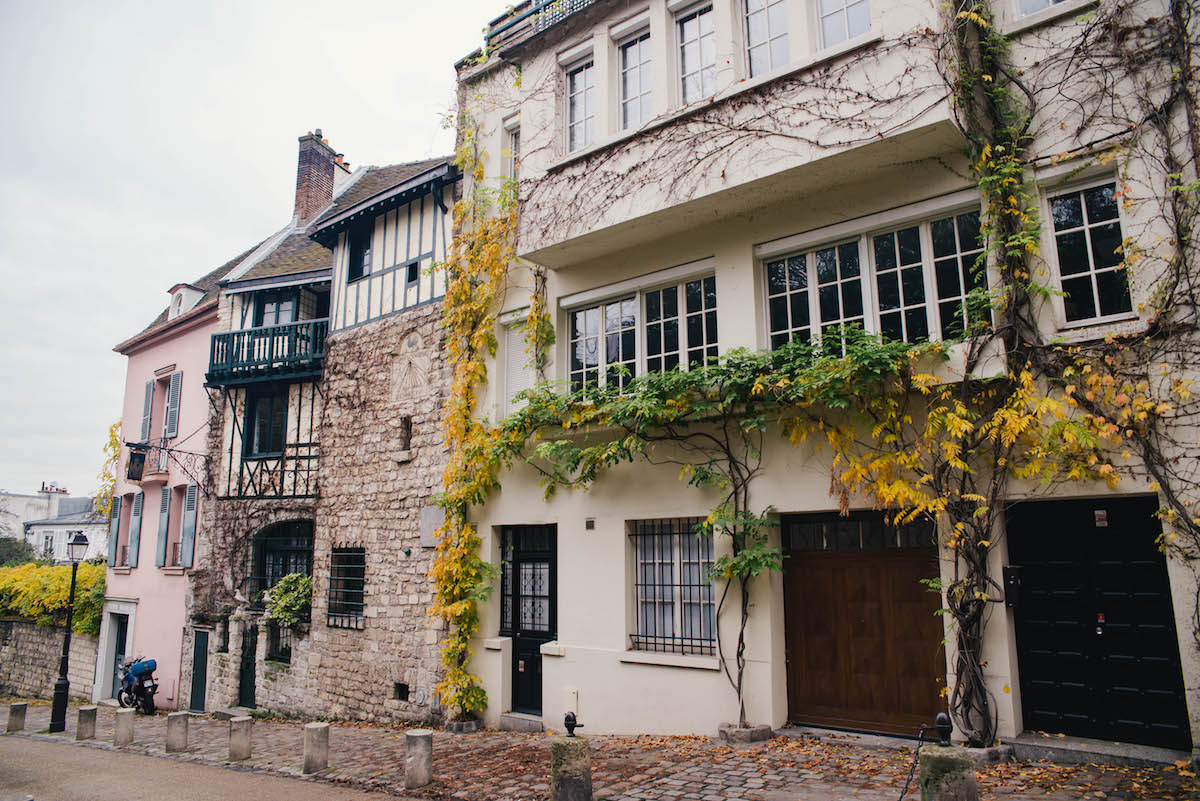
{"points": [[410, 369]]}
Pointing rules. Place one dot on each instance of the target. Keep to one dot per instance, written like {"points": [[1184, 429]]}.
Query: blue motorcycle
{"points": [[138, 685]]}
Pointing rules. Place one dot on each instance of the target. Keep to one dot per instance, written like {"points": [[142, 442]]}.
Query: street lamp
{"points": [[76, 550]]}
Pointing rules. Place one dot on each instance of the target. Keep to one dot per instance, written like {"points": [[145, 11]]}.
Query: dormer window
{"points": [[177, 304]]}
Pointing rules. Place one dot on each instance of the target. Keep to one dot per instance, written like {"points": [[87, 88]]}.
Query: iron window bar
{"points": [[347, 587], [675, 604], [526, 581], [279, 642]]}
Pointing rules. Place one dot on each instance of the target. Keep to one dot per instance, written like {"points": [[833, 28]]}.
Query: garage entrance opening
{"points": [[1097, 649], [864, 640]]}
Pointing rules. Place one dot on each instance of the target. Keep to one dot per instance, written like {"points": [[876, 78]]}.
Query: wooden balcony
{"points": [[291, 351]]}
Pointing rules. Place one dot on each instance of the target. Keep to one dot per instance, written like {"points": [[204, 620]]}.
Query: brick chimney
{"points": [[314, 176]]}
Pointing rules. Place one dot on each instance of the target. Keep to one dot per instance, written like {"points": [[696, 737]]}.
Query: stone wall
{"points": [[29, 656], [381, 462], [382, 457]]}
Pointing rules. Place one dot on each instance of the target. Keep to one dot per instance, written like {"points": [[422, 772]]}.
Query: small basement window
{"points": [[401, 691]]}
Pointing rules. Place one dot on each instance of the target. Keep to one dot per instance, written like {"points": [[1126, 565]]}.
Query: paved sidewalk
{"points": [[502, 765]]}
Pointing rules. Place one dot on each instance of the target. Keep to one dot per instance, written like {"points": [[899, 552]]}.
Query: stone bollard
{"points": [[570, 769], [16, 717], [86, 729], [239, 737], [316, 747], [418, 758], [123, 731], [177, 731], [947, 774]]}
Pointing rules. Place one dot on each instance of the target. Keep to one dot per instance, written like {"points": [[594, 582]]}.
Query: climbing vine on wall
{"points": [[477, 269]]}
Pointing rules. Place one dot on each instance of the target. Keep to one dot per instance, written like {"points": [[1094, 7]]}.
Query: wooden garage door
{"points": [[864, 641]]}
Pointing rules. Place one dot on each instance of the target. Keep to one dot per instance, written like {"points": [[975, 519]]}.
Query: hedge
{"points": [[39, 593]]}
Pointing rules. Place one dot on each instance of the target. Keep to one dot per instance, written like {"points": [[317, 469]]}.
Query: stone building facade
{"points": [[324, 450], [381, 461]]}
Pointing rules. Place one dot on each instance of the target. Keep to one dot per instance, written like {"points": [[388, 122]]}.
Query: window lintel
{"points": [[642, 282], [637, 24], [897, 217], [572, 57]]}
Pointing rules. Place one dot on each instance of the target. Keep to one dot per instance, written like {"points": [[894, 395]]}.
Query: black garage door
{"points": [[1097, 649]]}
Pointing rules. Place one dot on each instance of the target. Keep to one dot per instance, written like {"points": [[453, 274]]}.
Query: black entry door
{"points": [[199, 672], [120, 636], [1096, 643], [246, 674], [528, 608]]}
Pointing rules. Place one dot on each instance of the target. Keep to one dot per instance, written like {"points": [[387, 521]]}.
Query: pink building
{"points": [[159, 504]]}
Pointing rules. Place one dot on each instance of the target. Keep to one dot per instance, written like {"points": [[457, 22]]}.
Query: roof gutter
{"points": [[428, 181], [191, 318]]}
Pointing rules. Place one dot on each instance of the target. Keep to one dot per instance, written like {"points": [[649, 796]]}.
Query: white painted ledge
{"points": [[553, 648], [496, 643], [1046, 15], [671, 660]]}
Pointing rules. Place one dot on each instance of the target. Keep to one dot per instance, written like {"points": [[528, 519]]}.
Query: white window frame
{"points": [[682, 315], [695, 645], [1020, 13], [772, 36], [680, 15], [627, 39], [512, 148], [819, 26], [585, 61], [637, 289], [921, 215], [1050, 247]]}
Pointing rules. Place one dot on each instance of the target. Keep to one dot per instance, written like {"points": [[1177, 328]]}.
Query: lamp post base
{"points": [[58, 707]]}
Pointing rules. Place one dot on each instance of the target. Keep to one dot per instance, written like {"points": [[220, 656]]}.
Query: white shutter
{"points": [[517, 374]]}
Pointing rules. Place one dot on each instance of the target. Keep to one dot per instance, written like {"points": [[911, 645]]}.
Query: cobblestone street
{"points": [[503, 765]]}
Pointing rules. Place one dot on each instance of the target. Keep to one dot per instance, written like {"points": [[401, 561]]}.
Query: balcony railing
{"points": [[294, 350]]}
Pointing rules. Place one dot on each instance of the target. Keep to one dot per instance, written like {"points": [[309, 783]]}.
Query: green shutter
{"points": [[114, 530], [187, 531], [164, 516], [176, 389], [147, 408], [135, 528]]}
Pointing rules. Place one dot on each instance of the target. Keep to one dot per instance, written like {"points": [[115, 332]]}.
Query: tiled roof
{"points": [[207, 283], [376, 180], [295, 254]]}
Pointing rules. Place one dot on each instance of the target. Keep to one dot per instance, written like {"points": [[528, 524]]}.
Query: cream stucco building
{"points": [[704, 176]]}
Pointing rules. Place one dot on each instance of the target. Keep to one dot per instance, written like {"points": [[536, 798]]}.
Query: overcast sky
{"points": [[147, 143]]}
